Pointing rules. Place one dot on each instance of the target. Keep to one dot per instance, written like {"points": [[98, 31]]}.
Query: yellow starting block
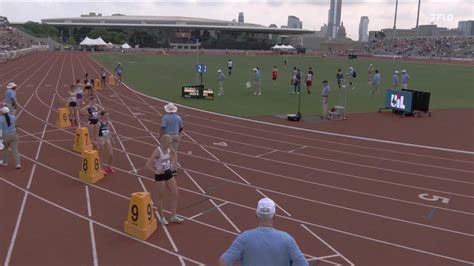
{"points": [[91, 170], [63, 118], [112, 80], [141, 221], [82, 142], [98, 84]]}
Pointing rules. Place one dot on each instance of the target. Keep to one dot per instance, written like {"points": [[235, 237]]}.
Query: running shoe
{"points": [[176, 219], [109, 169], [163, 221], [18, 166]]}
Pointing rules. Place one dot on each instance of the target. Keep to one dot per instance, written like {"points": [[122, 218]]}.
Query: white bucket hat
{"points": [[171, 108], [396, 71], [5, 110], [255, 69], [218, 71], [11, 85], [404, 71]]}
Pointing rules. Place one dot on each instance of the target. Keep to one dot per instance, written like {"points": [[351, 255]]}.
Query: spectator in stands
{"points": [[264, 245], [395, 80], [10, 97], [9, 137], [377, 79], [220, 81], [405, 79]]}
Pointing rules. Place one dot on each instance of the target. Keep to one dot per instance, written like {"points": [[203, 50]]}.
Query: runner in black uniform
{"points": [[93, 110], [88, 86], [105, 142]]}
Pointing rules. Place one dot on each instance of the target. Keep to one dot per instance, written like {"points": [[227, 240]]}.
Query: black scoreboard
{"points": [[197, 92]]}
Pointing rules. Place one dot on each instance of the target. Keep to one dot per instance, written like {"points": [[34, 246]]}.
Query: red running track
{"points": [[346, 201]]}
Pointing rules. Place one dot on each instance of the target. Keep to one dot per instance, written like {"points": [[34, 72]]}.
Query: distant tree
{"points": [[41, 30]]}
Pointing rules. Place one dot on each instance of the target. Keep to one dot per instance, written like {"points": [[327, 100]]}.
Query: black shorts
{"points": [[164, 177], [93, 121], [72, 104], [88, 87]]}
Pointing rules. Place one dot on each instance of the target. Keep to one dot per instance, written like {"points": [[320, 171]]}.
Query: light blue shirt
{"points": [[10, 96], [264, 246], [172, 123], [395, 79], [377, 79], [405, 78], [221, 76], [5, 128], [258, 76], [326, 90]]}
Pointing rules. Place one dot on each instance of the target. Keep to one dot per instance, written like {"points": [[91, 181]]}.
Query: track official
{"points": [[172, 125], [10, 97], [9, 137]]}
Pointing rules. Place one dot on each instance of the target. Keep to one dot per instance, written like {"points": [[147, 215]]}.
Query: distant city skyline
{"points": [[264, 12]]}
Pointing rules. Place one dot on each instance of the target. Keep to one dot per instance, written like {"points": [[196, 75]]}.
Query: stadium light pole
{"points": [[418, 18], [395, 20]]}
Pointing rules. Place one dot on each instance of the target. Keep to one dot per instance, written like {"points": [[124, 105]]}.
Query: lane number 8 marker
{"points": [[429, 197]]}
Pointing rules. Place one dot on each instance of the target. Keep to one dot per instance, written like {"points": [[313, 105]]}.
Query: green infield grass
{"points": [[162, 76]]}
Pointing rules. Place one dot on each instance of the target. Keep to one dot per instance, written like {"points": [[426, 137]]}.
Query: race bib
{"points": [[166, 164], [94, 114], [105, 132]]}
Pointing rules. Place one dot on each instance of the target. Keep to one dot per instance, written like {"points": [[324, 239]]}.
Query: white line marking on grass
{"points": [[91, 228], [327, 244]]}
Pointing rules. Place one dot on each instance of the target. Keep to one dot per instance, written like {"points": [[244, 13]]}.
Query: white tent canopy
{"points": [[125, 46], [282, 47], [93, 42]]}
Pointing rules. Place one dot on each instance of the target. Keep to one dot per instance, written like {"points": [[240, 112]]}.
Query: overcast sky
{"points": [[313, 13]]}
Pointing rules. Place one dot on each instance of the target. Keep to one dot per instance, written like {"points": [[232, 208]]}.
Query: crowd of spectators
{"points": [[11, 40], [446, 47]]}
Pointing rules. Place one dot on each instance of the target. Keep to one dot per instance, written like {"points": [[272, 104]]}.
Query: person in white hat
{"points": [[264, 245], [9, 136], [395, 80], [220, 82], [172, 124], [405, 79], [10, 97]]}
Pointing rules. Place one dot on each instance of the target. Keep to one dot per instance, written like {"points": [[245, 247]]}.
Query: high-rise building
{"points": [[467, 27], [241, 17], [294, 22], [334, 18], [364, 29]]}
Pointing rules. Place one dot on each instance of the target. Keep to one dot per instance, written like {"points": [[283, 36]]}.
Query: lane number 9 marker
{"points": [[429, 197]]}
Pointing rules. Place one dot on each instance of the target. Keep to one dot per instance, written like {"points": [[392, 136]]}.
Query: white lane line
{"points": [[97, 222], [91, 228], [252, 209], [195, 183], [44, 128], [19, 218], [266, 153], [327, 244], [237, 174], [300, 148], [206, 211]]}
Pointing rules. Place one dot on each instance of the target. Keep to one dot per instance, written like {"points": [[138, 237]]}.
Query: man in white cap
{"points": [[395, 80], [405, 79], [9, 137], [264, 245], [172, 124], [220, 82], [10, 97]]}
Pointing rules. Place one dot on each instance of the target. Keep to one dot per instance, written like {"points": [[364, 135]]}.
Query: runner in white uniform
{"points": [[160, 164], [104, 140], [72, 103], [79, 93]]}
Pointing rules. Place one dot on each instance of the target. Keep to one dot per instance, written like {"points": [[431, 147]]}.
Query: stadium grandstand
{"points": [[174, 32]]}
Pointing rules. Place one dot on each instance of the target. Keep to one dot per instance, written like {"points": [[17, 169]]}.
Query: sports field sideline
{"points": [[346, 200]]}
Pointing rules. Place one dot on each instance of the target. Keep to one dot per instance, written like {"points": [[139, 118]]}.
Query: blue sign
{"points": [[399, 100], [201, 68]]}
